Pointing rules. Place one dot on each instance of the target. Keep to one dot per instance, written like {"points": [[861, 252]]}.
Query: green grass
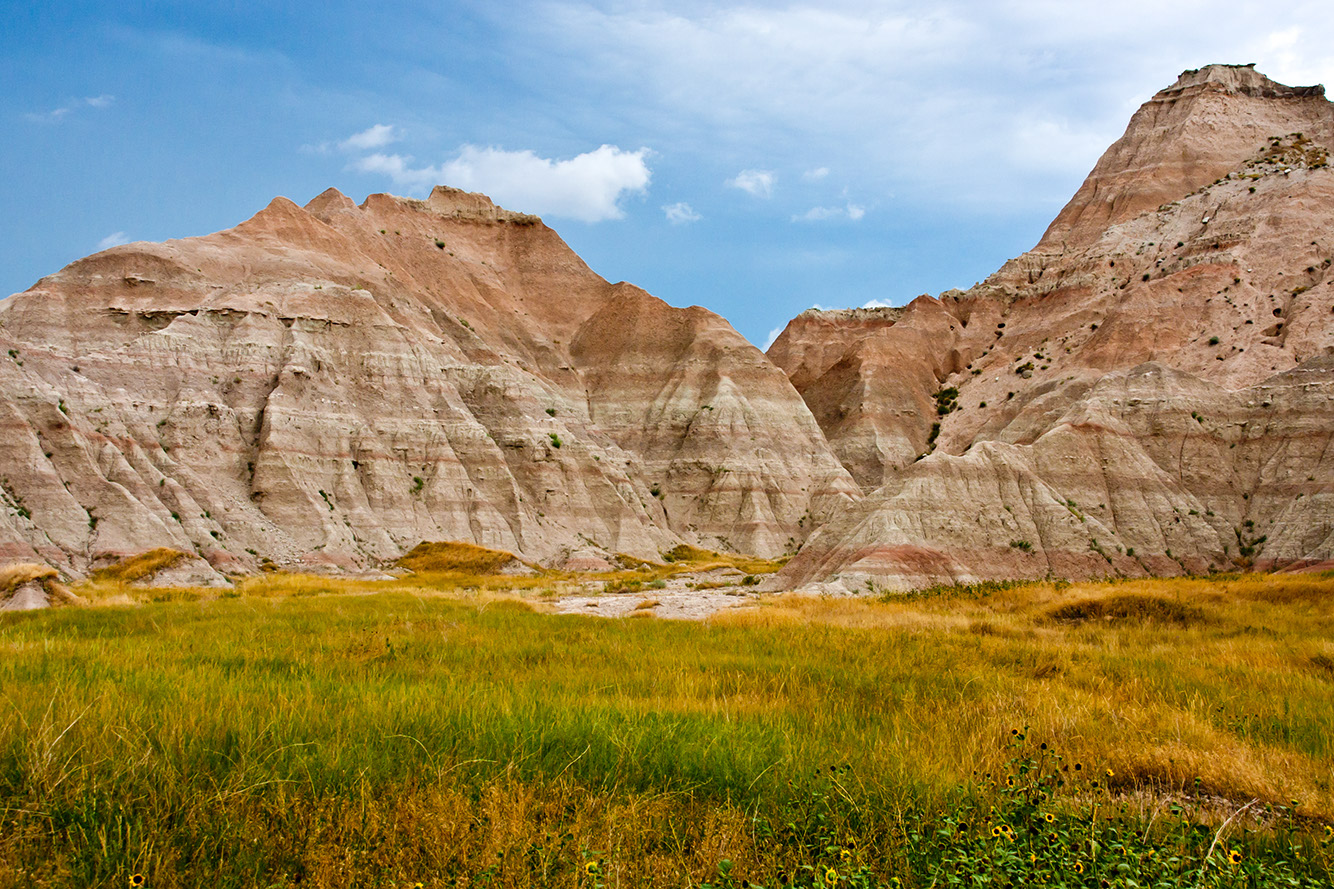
{"points": [[408, 736]]}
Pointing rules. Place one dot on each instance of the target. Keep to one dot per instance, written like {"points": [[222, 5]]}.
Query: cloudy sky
{"points": [[754, 158]]}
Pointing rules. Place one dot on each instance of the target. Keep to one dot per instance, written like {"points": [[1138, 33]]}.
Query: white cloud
{"points": [[759, 183], [115, 239], [680, 213], [55, 115], [876, 91], [399, 168], [588, 187], [773, 335], [1044, 144], [850, 211], [815, 175], [377, 136], [878, 304]]}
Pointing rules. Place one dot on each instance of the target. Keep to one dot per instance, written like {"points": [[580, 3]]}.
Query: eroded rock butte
{"points": [[1150, 390]]}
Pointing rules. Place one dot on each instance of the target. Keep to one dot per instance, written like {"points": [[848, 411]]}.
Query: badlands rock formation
{"points": [[332, 385], [1149, 390]]}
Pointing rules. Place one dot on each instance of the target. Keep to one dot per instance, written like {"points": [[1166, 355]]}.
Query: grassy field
{"points": [[304, 732]]}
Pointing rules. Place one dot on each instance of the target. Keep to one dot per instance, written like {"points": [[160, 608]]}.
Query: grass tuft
{"points": [[140, 567], [14, 576], [1127, 608], [454, 556]]}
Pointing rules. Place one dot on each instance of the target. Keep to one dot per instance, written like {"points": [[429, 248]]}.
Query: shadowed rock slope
{"points": [[1149, 390], [332, 385]]}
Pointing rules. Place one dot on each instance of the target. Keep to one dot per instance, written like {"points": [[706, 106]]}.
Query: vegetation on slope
{"points": [[144, 565], [14, 576], [454, 556]]}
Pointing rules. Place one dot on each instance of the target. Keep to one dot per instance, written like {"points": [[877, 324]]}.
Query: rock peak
{"points": [[1204, 126], [1241, 80], [459, 204]]}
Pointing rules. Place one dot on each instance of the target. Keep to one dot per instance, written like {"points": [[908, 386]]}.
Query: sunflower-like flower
{"points": [[830, 876], [591, 868], [1079, 867], [997, 830], [136, 880], [1329, 832], [1049, 818], [1233, 857], [1009, 782]]}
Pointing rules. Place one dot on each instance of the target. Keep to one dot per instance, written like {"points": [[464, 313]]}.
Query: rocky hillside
{"points": [[332, 385], [1149, 390]]}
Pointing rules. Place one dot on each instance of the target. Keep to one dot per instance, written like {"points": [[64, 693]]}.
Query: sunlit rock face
{"points": [[1150, 390], [328, 386]]}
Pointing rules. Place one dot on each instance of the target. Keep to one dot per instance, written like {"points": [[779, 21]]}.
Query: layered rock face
{"points": [[1150, 390], [331, 385]]}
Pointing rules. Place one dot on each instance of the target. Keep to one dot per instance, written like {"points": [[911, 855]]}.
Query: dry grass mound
{"points": [[144, 565], [456, 557], [13, 578], [686, 553], [1127, 608], [692, 558]]}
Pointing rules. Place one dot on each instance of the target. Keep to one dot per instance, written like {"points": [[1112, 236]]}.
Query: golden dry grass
{"points": [[455, 556], [135, 568], [1224, 680], [692, 558], [386, 732], [14, 576]]}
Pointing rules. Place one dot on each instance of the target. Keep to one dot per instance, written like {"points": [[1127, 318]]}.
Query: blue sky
{"points": [[754, 158]]}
